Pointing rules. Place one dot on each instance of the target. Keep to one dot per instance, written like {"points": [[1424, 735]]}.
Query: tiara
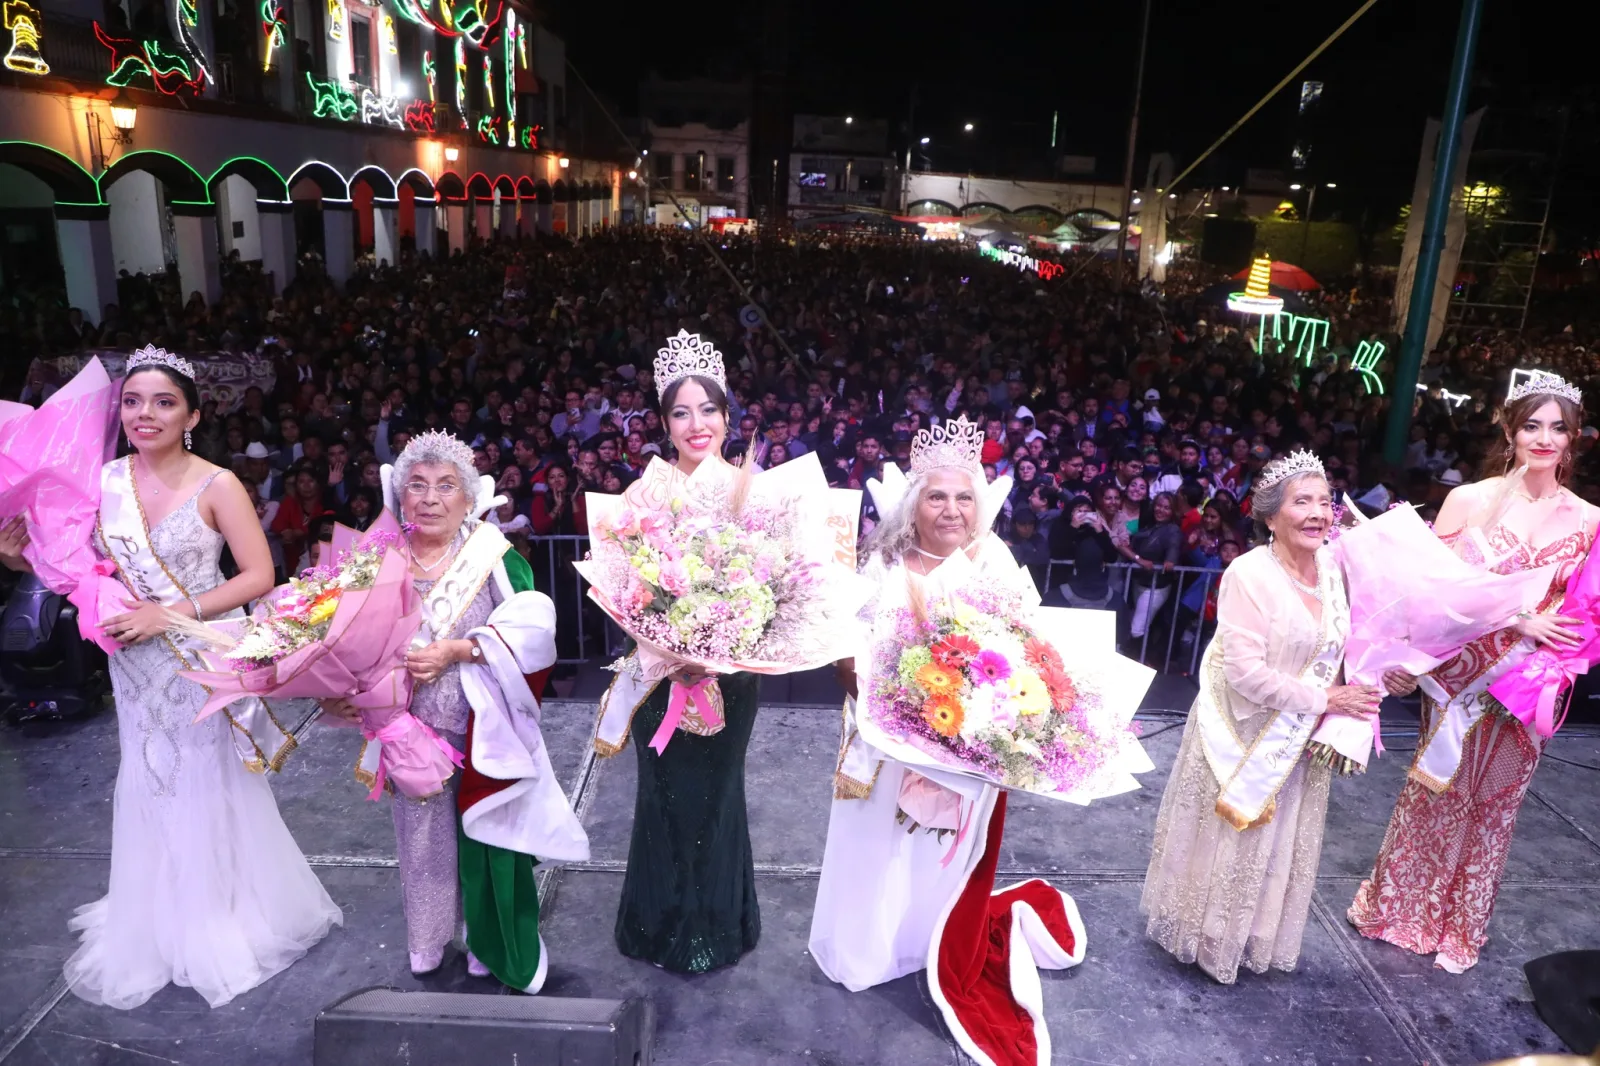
{"points": [[1542, 383], [1299, 461], [685, 355], [150, 355], [957, 443]]}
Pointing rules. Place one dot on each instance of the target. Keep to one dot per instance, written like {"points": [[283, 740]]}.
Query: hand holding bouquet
{"points": [[1530, 690], [339, 630], [727, 571]]}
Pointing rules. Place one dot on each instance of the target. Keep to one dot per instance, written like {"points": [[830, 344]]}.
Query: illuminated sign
{"points": [[166, 70], [1257, 299], [332, 100], [24, 22], [1042, 267], [380, 110], [419, 117], [274, 28], [1366, 358]]}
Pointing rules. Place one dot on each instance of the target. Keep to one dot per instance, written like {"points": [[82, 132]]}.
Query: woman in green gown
{"points": [[689, 896]]}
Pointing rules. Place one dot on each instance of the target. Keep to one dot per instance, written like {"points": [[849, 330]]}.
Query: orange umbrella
{"points": [[1287, 276]]}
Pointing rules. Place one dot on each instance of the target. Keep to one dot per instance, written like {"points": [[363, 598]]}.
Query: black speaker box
{"points": [[384, 1025], [1566, 993]]}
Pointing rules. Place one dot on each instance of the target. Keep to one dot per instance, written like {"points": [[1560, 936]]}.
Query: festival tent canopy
{"points": [[1286, 276]]}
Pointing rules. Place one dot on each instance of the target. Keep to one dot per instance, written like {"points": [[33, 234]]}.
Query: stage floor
{"points": [[1351, 1001]]}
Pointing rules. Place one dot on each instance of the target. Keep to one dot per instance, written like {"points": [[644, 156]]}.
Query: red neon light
{"points": [[125, 50], [419, 117], [1048, 270]]}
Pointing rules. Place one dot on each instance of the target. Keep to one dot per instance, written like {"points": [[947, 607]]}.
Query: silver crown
{"points": [[685, 355], [957, 443], [1299, 461], [150, 355], [1542, 383]]}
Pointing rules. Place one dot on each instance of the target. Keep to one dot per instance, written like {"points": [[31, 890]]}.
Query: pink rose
{"points": [[675, 578]]}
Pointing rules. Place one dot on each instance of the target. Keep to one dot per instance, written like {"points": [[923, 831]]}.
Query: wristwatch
{"points": [[477, 652]]}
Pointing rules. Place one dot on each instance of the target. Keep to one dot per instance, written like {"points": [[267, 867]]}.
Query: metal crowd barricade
{"points": [[1179, 634], [1172, 640]]}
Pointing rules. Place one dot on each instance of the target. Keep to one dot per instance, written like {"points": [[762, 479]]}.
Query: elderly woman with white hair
{"points": [[1239, 836], [908, 871], [470, 852]]}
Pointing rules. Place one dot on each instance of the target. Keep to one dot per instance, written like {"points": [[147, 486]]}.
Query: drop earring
{"points": [[188, 441]]}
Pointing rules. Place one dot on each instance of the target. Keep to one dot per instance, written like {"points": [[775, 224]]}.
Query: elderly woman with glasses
{"points": [[467, 855]]}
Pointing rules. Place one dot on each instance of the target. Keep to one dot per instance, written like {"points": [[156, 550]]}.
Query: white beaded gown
{"points": [[208, 889]]}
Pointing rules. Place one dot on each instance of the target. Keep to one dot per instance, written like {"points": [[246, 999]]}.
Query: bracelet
{"points": [[199, 615]]}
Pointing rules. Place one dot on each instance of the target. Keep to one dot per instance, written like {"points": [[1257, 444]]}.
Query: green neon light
{"points": [[189, 11], [66, 159], [488, 82], [127, 163], [512, 32], [489, 129], [156, 63], [430, 74], [333, 100], [461, 74], [1309, 335], [1366, 358], [218, 173]]}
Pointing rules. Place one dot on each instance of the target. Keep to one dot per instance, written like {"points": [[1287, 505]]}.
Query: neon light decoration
{"points": [[333, 100], [461, 81], [513, 32], [1256, 298], [1454, 399], [336, 19], [24, 21], [419, 117], [1042, 267], [189, 12], [430, 74], [477, 20], [1308, 335], [530, 136], [1366, 358], [380, 110], [489, 129], [274, 27], [488, 82], [167, 71], [390, 45]]}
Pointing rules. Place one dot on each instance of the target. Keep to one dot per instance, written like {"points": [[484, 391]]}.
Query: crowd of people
{"points": [[1132, 426]]}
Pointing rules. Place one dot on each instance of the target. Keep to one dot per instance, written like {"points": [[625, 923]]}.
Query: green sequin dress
{"points": [[689, 897]]}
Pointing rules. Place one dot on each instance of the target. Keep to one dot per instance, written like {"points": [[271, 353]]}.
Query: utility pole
{"points": [[911, 137], [1419, 314], [1133, 140]]}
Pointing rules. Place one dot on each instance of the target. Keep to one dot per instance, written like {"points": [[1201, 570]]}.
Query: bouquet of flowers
{"points": [[726, 571], [1414, 604], [1530, 690], [50, 461], [970, 682], [339, 630]]}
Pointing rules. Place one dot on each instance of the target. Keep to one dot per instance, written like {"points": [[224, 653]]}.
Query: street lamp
{"points": [[124, 115], [633, 175], [848, 119], [563, 162], [452, 154], [925, 140], [968, 127]]}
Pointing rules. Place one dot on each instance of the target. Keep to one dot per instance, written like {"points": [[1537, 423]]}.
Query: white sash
{"points": [[1252, 773], [262, 742], [442, 609], [1452, 720]]}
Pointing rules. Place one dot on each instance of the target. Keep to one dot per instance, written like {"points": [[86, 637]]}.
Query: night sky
{"points": [[1007, 66]]}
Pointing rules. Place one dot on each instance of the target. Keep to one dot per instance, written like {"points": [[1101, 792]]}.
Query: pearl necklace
{"points": [[449, 551], [1315, 592], [1526, 495]]}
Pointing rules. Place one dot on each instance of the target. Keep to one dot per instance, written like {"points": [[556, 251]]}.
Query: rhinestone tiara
{"points": [[957, 443], [150, 355], [1298, 461], [685, 355], [1541, 383]]}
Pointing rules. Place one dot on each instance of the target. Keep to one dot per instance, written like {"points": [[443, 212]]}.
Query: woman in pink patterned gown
{"points": [[1434, 883]]}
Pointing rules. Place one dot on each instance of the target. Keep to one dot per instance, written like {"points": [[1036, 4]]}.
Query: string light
{"points": [[1366, 358], [24, 21], [332, 100], [273, 27]]}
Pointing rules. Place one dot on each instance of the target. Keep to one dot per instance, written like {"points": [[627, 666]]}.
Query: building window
{"points": [[361, 50], [663, 170], [693, 162], [725, 173]]}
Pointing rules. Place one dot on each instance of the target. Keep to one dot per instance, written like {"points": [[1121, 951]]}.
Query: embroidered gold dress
{"points": [[1215, 894]]}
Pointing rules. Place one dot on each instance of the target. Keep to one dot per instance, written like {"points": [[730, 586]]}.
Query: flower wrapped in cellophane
{"points": [[723, 571], [971, 679], [1414, 604], [50, 461], [339, 630]]}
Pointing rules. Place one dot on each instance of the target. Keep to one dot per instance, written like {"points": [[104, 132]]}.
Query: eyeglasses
{"points": [[419, 489]]}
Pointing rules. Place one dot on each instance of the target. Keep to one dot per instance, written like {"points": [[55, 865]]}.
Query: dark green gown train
{"points": [[689, 897]]}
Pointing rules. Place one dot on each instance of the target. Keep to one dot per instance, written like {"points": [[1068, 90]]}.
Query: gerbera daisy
{"points": [[1041, 656], [956, 651], [990, 667], [937, 679], [944, 714], [1062, 691]]}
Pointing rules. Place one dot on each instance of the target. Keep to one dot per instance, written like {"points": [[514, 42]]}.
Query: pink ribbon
{"points": [[1530, 693], [683, 697], [394, 733], [961, 834], [1377, 737]]}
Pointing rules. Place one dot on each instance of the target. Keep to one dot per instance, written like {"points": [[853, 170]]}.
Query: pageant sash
{"points": [[1452, 721], [261, 741], [1251, 773]]}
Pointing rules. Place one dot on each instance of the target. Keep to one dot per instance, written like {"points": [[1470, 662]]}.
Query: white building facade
{"points": [[184, 131]]}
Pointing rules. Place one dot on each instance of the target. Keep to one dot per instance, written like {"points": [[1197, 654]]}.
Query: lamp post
{"points": [[124, 116], [1133, 140]]}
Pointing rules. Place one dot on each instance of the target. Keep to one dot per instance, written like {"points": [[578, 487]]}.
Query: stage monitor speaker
{"points": [[1566, 993], [385, 1025]]}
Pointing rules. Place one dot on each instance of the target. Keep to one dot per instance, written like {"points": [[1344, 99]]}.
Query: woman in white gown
{"points": [[208, 889]]}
